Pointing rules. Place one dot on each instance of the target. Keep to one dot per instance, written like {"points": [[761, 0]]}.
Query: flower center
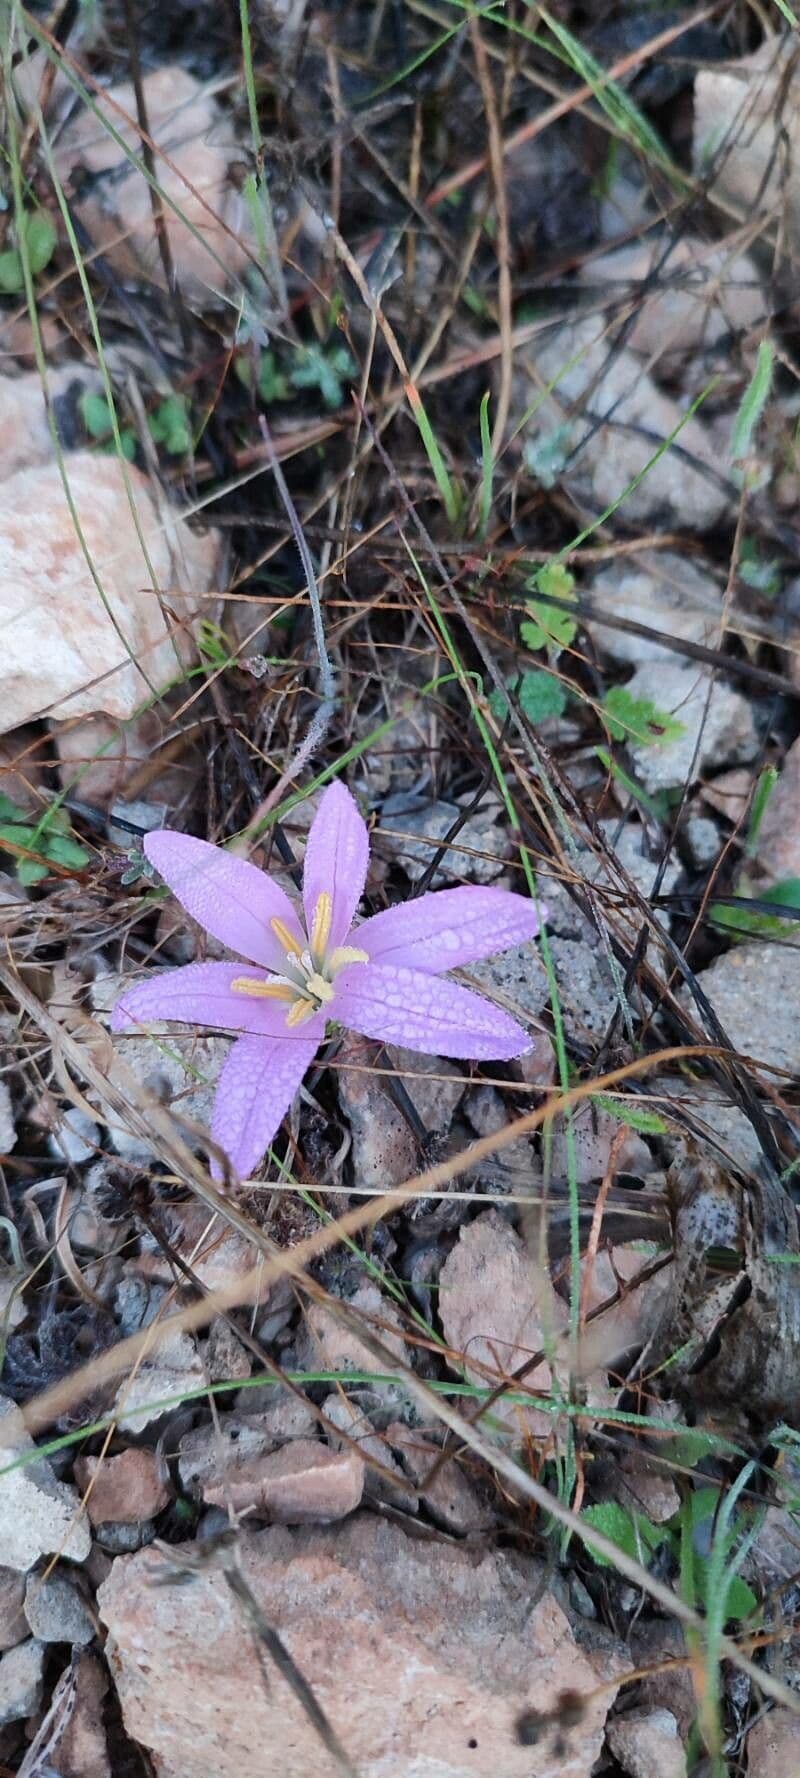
{"points": [[307, 984]]}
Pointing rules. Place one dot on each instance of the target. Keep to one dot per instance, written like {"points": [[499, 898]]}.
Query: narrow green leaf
{"points": [[753, 403], [761, 795], [487, 473], [648, 1123]]}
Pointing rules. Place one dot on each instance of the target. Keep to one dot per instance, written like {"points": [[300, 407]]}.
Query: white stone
{"points": [[8, 1132], [718, 727], [25, 436], [21, 1679], [179, 1066], [39, 1515], [591, 379], [64, 655], [176, 1369], [664, 592], [698, 294], [76, 1138], [411, 832]]}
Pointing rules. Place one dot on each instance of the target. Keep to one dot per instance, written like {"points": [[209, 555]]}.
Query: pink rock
{"points": [[205, 214], [82, 1748], [423, 1656], [330, 1345], [100, 758], [304, 1483], [773, 1745], [64, 655], [492, 1314], [124, 1489], [646, 1742]]}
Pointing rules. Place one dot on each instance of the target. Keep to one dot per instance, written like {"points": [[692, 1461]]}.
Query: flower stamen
{"points": [[321, 924], [258, 990], [286, 940], [300, 1012], [343, 955]]}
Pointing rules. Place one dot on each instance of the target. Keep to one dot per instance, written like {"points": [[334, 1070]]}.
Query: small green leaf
{"points": [[632, 1532], [42, 238], [740, 1600], [648, 1123], [9, 811], [638, 720], [318, 368], [99, 422], [548, 627], [541, 695], [546, 456], [169, 425], [30, 871], [759, 571], [63, 849], [12, 279]]}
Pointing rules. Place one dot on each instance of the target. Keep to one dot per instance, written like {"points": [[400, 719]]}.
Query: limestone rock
{"points": [[56, 1611], [664, 592], [64, 653], [39, 1515], [421, 1654], [205, 214], [176, 1367], [158, 1063], [21, 1680], [83, 1750], [13, 1624], [746, 136], [754, 990], [327, 1344], [25, 436], [592, 380], [717, 729], [687, 296], [8, 1132], [412, 829], [779, 833]]}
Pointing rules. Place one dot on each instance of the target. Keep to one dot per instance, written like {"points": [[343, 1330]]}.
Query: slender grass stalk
{"points": [[487, 468]]}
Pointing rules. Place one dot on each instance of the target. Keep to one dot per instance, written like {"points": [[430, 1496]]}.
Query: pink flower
{"points": [[384, 978]]}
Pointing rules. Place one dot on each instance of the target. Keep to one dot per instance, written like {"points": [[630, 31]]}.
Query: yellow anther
{"points": [[300, 1012], [321, 925], [245, 984], [343, 955], [290, 945], [317, 985]]}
